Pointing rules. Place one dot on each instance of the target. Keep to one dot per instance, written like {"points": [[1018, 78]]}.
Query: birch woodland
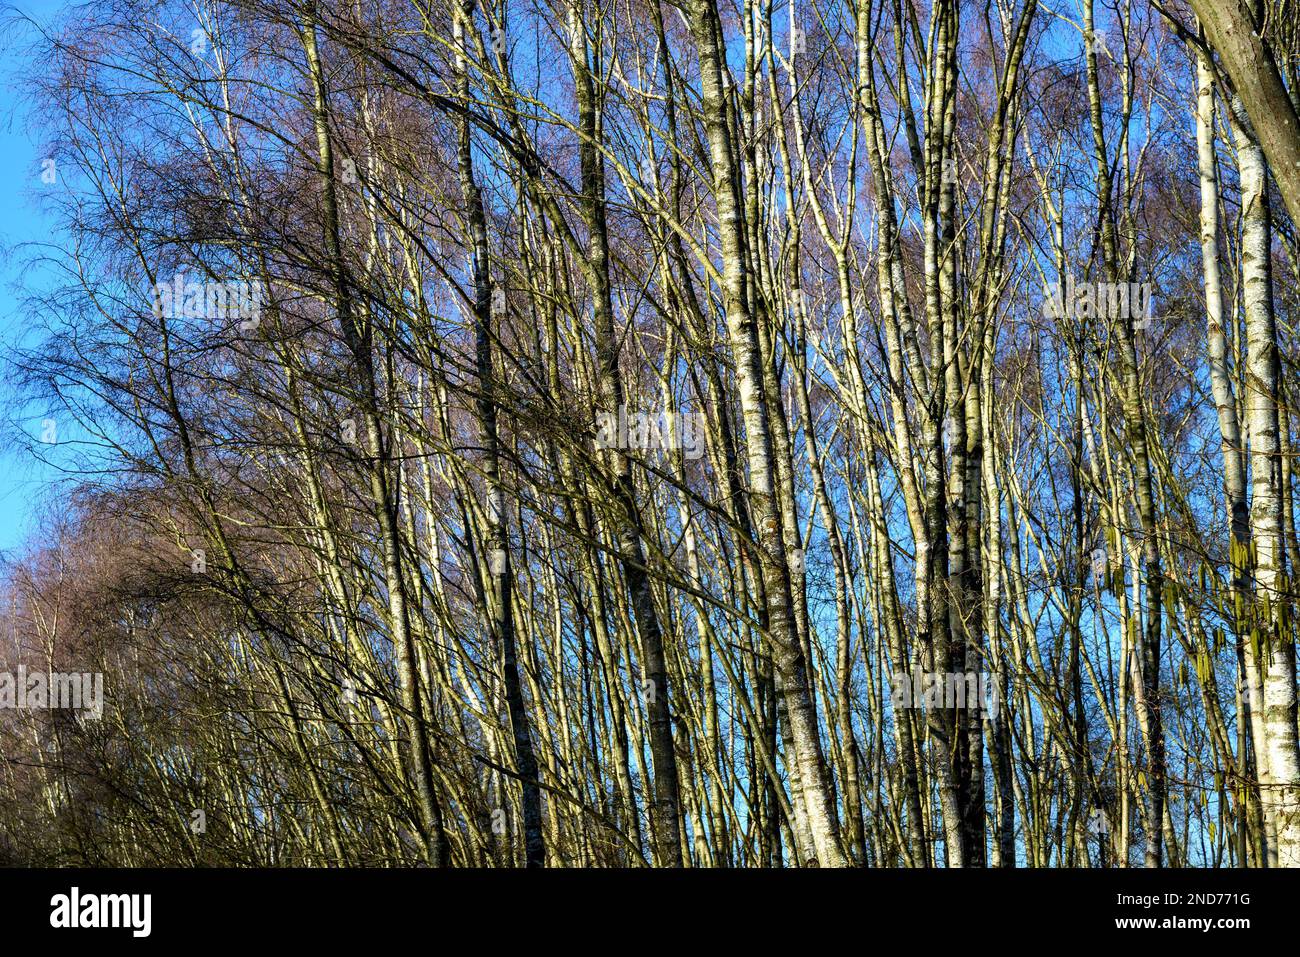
{"points": [[661, 433]]}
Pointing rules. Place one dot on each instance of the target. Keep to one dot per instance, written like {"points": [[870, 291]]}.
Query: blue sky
{"points": [[23, 481]]}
